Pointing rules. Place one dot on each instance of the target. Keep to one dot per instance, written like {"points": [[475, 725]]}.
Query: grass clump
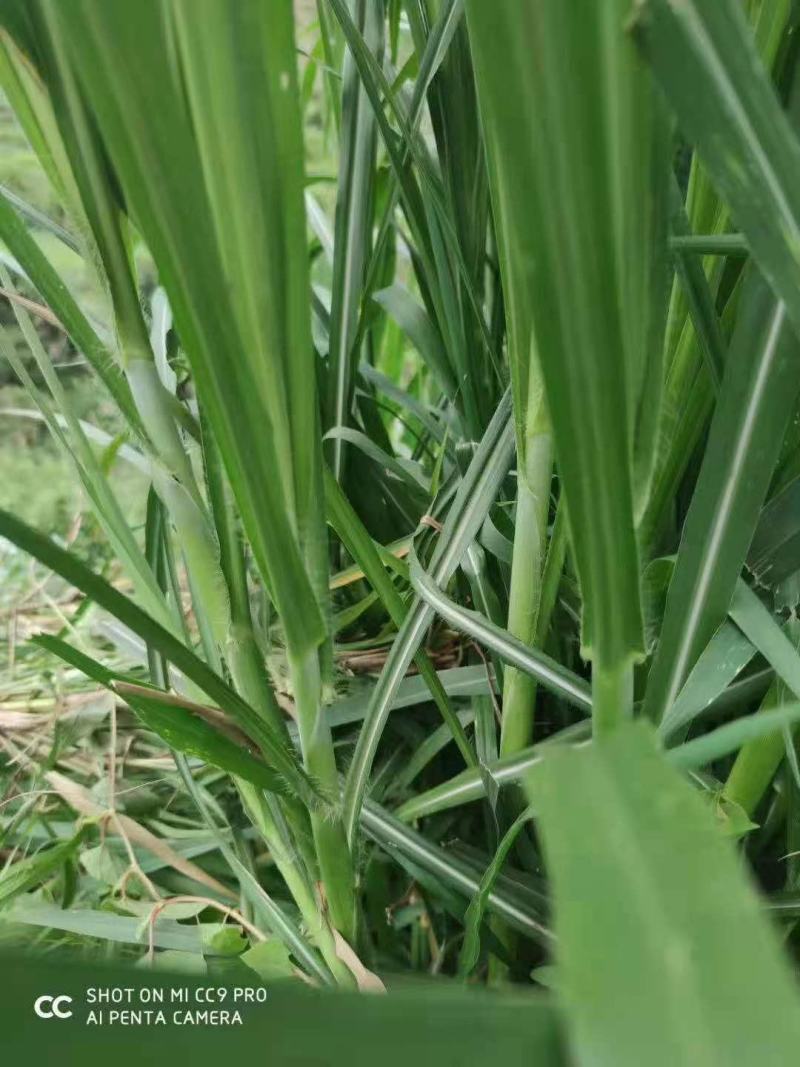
{"points": [[465, 458]]}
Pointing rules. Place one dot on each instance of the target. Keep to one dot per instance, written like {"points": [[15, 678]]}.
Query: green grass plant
{"points": [[452, 630]]}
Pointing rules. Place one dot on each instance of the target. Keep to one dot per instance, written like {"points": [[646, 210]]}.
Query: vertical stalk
{"points": [[153, 403], [263, 817], [530, 535], [534, 473], [242, 653], [175, 483], [316, 742], [612, 695]]}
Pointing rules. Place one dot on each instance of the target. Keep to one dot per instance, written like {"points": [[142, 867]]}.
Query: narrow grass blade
{"points": [[353, 226], [701, 244], [143, 114], [58, 298], [360, 546], [470, 947], [94, 923], [401, 841], [474, 497], [31, 871], [38, 218], [183, 731], [278, 921], [755, 404], [756, 764], [758, 625], [698, 295], [56, 411], [457, 682], [702, 751], [693, 755], [470, 785], [726, 654], [70, 568], [706, 59], [436, 238], [415, 323], [551, 675], [774, 553]]}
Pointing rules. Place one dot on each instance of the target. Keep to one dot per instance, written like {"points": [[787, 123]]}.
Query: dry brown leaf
{"points": [[83, 802], [367, 981], [31, 305]]}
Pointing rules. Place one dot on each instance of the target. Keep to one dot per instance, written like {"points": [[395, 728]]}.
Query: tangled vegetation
{"points": [[434, 610]]}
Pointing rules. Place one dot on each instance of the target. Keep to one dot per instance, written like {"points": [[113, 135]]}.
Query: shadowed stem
{"points": [[533, 491]]}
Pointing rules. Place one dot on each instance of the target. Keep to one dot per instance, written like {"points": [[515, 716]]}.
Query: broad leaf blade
{"points": [[661, 943], [130, 71]]}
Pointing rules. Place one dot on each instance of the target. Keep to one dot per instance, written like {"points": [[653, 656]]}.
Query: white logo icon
{"points": [[46, 1007]]}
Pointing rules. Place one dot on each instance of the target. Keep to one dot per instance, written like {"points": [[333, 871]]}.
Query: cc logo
{"points": [[46, 1007]]}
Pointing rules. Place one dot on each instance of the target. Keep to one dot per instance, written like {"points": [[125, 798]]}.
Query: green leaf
{"points": [[755, 621], [105, 865], [361, 547], [705, 56], [270, 960], [416, 852], [470, 947], [58, 298], [415, 323], [88, 922], [470, 785], [552, 675], [774, 553], [447, 276], [755, 404], [174, 724], [726, 654], [71, 434], [703, 750], [353, 226], [700, 244], [731, 817], [405, 471], [573, 186], [699, 297], [26, 873], [222, 940], [198, 221], [284, 928], [759, 759], [674, 955], [457, 682], [70, 568], [475, 495]]}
